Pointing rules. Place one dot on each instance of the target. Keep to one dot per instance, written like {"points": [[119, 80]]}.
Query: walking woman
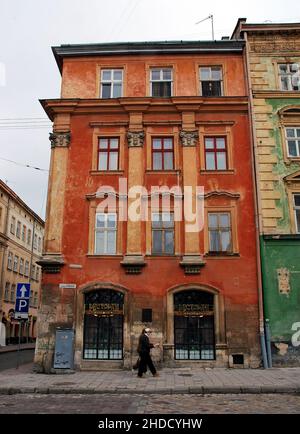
{"points": [[144, 348]]}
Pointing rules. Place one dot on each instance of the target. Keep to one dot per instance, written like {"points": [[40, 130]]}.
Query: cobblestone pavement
{"points": [[146, 404], [170, 381]]}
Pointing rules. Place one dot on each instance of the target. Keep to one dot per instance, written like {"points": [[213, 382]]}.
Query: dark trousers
{"points": [[144, 362]]}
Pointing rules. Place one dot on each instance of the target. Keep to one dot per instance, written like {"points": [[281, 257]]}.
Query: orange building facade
{"points": [[140, 126]]}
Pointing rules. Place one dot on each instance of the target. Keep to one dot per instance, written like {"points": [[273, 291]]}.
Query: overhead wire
{"points": [[24, 165]]}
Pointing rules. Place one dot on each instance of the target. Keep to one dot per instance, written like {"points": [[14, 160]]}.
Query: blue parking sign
{"points": [[22, 301]]}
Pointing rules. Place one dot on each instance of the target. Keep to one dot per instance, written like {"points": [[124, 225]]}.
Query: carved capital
{"points": [[133, 264], [189, 138], [192, 264], [61, 140], [135, 138]]}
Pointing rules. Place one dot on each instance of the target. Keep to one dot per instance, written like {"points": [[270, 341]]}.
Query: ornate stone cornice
{"points": [[189, 138], [133, 264], [51, 264], [135, 139], [273, 45], [60, 140]]}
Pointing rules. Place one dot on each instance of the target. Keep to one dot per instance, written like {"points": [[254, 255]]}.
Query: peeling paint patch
{"points": [[282, 348], [283, 277]]}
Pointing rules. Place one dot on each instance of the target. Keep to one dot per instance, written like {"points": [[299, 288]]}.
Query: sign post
{"points": [[21, 309]]}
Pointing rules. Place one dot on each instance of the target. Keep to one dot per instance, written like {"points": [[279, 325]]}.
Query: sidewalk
{"points": [[10, 348], [170, 381]]}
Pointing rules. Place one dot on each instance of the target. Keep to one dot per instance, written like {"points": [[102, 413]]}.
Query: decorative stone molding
{"points": [[189, 138], [51, 264], [271, 46], [133, 264], [135, 139], [60, 140], [192, 264]]}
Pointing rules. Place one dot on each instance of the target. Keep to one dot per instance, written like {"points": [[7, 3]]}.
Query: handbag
{"points": [[137, 363]]}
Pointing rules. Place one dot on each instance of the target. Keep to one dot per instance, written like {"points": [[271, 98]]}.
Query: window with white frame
{"points": [[16, 263], [37, 273], [13, 293], [35, 241], [289, 76], [108, 153], [111, 83], [163, 233], [297, 212], [21, 269], [26, 272], [29, 236], [9, 261], [6, 291], [24, 233], [211, 81], [33, 272], [13, 225], [292, 137], [105, 233], [18, 232], [161, 82], [219, 229]]}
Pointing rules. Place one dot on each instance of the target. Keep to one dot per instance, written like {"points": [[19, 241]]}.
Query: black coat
{"points": [[144, 344]]}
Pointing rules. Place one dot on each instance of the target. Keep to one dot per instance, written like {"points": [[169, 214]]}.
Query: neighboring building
{"points": [[21, 241], [150, 114], [273, 59]]}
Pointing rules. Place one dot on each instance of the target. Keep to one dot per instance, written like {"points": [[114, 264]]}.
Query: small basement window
{"points": [[238, 359]]}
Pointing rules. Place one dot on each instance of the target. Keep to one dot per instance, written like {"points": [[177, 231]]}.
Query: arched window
{"points": [[103, 325], [194, 335]]}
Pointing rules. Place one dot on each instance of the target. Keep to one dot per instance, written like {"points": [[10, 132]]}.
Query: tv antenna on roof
{"points": [[211, 17]]}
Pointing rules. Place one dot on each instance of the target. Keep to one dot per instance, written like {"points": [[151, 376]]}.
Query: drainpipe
{"points": [[257, 207]]}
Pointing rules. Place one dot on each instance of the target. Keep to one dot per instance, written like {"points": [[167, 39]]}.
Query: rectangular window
{"points": [[35, 241], [16, 263], [29, 236], [21, 269], [35, 299], [162, 153], [289, 76], [9, 261], [39, 244], [161, 82], [292, 136], [211, 82], [108, 154], [297, 211], [215, 153], [24, 233], [26, 272], [13, 225], [6, 291], [105, 234], [163, 233], [13, 293], [111, 83], [18, 233], [37, 274], [33, 272], [219, 229]]}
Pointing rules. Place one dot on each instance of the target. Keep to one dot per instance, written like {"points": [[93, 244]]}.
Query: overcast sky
{"points": [[28, 71]]}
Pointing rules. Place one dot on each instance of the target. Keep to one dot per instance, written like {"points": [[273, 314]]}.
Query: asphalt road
{"points": [[150, 404]]}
